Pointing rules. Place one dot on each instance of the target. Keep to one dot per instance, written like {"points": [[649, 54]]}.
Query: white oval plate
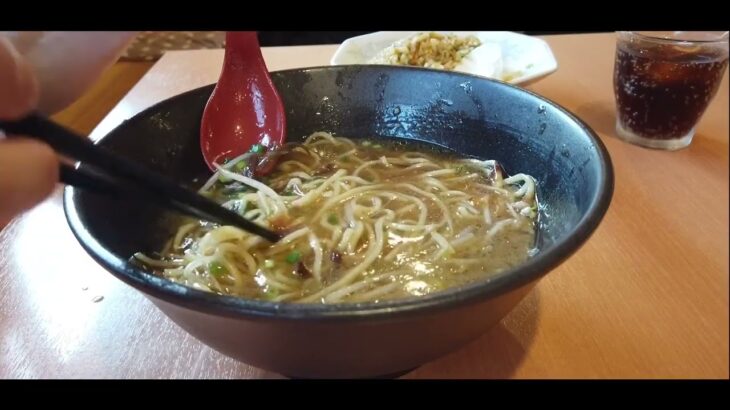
{"points": [[504, 55]]}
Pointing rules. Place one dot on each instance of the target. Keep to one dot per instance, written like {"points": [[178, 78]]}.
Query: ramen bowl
{"points": [[471, 115]]}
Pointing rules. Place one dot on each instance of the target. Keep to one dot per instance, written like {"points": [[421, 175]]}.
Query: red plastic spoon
{"points": [[245, 108]]}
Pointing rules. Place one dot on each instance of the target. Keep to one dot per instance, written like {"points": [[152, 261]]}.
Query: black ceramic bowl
{"points": [[468, 114]]}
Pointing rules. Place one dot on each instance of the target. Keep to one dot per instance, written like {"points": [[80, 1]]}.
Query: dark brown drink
{"points": [[662, 89]]}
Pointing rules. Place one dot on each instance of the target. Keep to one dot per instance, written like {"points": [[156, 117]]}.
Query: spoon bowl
{"points": [[245, 108]]}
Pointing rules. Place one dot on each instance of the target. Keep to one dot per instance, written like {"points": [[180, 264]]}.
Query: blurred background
{"points": [[150, 45], [292, 38]]}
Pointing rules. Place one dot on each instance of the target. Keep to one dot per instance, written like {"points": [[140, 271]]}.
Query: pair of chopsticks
{"points": [[117, 176]]}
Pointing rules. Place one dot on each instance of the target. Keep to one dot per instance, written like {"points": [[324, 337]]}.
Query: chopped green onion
{"points": [[271, 293], [232, 193], [240, 165], [223, 179], [217, 270], [332, 219], [258, 148], [461, 170], [293, 257], [268, 263]]}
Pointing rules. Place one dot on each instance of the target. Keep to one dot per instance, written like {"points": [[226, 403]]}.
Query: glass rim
{"points": [[720, 40]]}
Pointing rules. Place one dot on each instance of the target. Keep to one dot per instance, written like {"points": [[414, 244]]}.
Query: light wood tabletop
{"points": [[646, 297]]}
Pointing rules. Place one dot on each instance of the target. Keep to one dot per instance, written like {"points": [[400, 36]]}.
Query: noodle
{"points": [[348, 211]]}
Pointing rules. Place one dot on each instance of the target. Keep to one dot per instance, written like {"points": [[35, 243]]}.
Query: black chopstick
{"points": [[83, 178], [123, 177]]}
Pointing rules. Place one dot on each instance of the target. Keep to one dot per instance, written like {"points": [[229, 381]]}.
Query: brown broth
{"points": [[411, 219]]}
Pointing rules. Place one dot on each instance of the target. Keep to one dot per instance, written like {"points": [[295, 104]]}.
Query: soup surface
{"points": [[364, 220]]}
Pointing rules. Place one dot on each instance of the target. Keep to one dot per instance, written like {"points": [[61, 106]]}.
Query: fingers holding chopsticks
{"points": [[28, 168]]}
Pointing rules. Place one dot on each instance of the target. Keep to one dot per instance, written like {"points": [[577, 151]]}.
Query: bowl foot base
{"points": [[393, 375]]}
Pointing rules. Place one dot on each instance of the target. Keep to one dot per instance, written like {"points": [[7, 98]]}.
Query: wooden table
{"points": [[646, 297]]}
